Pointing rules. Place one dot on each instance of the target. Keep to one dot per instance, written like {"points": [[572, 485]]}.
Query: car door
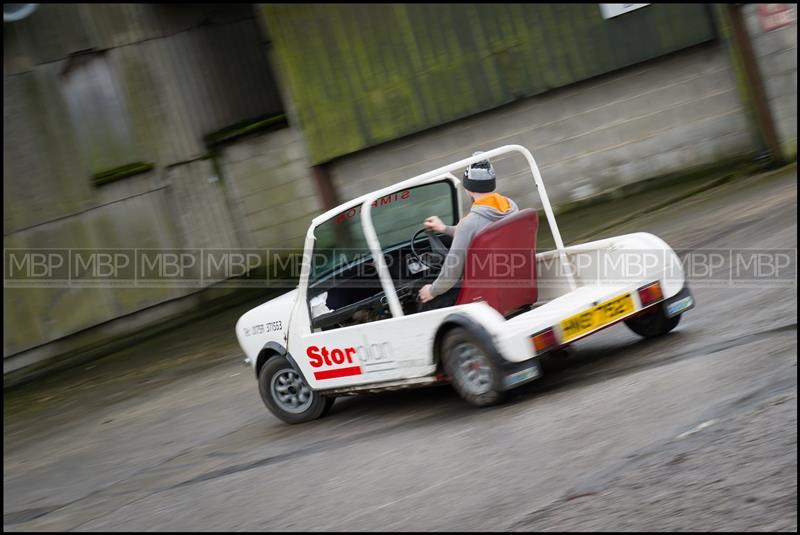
{"points": [[377, 351]]}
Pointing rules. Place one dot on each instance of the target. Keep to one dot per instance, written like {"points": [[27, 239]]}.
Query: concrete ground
{"points": [[694, 431]]}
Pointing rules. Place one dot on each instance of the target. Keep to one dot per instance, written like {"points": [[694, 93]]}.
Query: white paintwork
{"points": [[400, 348], [278, 309]]}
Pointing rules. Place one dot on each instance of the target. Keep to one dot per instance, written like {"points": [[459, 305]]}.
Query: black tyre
{"points": [[472, 373], [286, 394], [652, 324]]}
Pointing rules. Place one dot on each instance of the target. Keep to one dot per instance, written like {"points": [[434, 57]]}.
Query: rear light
{"points": [[650, 294], [544, 340]]}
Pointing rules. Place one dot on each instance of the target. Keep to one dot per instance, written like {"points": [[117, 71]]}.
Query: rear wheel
{"points": [[652, 324], [286, 394], [471, 371]]}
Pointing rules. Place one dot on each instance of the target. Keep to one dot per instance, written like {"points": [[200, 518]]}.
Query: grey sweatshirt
{"points": [[476, 220]]}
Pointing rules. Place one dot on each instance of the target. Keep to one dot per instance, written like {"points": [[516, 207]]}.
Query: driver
{"points": [[487, 207]]}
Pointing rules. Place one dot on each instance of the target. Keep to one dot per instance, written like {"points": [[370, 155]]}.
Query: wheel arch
{"points": [[466, 322], [271, 350], [439, 338]]}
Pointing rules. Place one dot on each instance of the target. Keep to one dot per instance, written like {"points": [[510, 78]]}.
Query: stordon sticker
{"points": [[322, 357]]}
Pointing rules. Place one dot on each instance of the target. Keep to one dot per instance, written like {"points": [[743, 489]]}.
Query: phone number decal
{"points": [[262, 328]]}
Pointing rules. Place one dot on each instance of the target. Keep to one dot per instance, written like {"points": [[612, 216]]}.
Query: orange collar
{"points": [[494, 200]]}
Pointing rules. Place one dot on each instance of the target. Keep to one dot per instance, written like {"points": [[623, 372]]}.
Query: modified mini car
{"points": [[354, 323]]}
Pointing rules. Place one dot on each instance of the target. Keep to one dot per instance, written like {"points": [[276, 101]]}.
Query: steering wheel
{"points": [[437, 247]]}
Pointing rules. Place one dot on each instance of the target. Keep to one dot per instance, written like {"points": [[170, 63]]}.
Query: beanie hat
{"points": [[479, 177]]}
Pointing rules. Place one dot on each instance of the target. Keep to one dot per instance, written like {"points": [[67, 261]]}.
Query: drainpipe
{"points": [[330, 199], [765, 124], [325, 188]]}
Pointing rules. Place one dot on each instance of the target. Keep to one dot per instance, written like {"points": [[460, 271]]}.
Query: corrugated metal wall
{"points": [[178, 71], [93, 87], [364, 74]]}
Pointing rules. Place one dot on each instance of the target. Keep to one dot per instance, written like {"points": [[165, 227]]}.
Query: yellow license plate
{"points": [[596, 317]]}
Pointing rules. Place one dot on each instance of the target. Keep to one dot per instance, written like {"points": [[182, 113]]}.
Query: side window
{"points": [[339, 242]]}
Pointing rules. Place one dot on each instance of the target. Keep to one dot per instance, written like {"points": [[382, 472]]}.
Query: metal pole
{"points": [[764, 120]]}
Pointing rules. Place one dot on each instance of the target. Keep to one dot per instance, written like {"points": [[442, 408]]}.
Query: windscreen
{"points": [[396, 217]]}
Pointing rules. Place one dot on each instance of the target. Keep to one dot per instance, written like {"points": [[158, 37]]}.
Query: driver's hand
{"points": [[425, 293], [435, 224]]}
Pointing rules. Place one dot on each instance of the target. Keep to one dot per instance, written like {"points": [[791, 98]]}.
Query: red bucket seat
{"points": [[500, 266]]}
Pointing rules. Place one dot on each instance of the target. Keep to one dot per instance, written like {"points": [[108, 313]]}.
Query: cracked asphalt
{"points": [[694, 431]]}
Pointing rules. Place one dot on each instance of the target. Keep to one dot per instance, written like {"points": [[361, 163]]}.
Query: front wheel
{"points": [[652, 324], [471, 371], [286, 394]]}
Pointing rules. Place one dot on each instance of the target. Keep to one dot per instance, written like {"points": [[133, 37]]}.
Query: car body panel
{"points": [[400, 349]]}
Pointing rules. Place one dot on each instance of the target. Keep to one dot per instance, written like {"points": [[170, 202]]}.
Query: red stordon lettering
{"points": [[383, 201], [322, 357]]}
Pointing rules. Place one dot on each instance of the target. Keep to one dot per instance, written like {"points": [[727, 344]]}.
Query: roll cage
{"points": [[365, 201]]}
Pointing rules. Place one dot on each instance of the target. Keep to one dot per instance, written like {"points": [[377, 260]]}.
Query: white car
{"points": [[353, 323]]}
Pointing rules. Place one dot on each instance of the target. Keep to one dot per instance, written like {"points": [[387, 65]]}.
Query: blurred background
{"points": [[197, 130], [230, 125]]}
